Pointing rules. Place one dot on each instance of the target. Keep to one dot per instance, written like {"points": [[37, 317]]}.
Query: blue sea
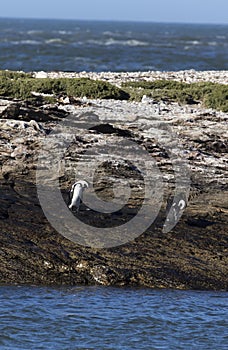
{"points": [[71, 45], [101, 318]]}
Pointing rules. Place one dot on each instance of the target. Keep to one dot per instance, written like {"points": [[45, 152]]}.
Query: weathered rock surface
{"points": [[194, 254]]}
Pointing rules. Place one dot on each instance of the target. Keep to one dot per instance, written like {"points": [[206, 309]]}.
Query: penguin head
{"points": [[182, 204], [81, 183]]}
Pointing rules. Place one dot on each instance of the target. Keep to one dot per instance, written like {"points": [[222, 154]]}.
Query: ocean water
{"points": [[104, 318], [111, 46]]}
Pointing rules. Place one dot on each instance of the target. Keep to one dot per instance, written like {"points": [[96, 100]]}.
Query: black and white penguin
{"points": [[174, 210], [76, 194], [177, 208]]}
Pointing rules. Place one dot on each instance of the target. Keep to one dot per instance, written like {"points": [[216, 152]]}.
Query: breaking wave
{"points": [[111, 41]]}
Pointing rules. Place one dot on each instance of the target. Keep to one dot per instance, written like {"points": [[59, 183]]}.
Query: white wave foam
{"points": [[54, 41], [25, 42], [212, 43], [111, 41], [65, 32], [109, 33], [32, 32], [220, 37], [194, 42]]}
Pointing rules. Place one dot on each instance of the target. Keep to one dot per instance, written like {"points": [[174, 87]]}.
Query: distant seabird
{"points": [[76, 193]]}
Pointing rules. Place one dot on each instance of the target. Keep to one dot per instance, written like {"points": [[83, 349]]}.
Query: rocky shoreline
{"points": [[188, 76], [193, 255]]}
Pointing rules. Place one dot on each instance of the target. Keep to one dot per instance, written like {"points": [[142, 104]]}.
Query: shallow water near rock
{"points": [[112, 318]]}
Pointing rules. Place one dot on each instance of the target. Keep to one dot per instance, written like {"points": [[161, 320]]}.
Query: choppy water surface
{"points": [[110, 318], [111, 46]]}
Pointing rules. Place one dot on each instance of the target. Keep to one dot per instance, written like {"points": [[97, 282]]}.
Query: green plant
{"points": [[21, 86], [211, 95]]}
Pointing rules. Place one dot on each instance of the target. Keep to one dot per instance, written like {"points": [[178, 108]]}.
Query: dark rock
{"points": [[192, 255], [200, 222], [28, 111], [110, 129]]}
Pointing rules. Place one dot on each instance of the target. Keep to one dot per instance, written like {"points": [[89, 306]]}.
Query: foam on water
{"points": [[112, 46], [111, 41]]}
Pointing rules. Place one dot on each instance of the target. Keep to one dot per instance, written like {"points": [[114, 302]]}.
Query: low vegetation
{"points": [[211, 95], [22, 85]]}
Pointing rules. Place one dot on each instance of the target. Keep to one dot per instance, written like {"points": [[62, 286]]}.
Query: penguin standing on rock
{"points": [[76, 194], [175, 209]]}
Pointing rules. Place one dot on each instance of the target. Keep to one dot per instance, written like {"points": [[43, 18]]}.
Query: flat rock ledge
{"points": [[193, 255]]}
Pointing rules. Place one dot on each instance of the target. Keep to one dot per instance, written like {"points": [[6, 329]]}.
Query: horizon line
{"points": [[114, 20]]}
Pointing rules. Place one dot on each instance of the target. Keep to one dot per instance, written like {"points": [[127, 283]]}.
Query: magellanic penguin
{"points": [[175, 209], [76, 194]]}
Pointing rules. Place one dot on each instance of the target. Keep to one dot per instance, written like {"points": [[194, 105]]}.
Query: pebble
{"points": [[117, 78]]}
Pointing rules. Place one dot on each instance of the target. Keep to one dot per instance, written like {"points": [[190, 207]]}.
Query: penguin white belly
{"points": [[76, 198]]}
